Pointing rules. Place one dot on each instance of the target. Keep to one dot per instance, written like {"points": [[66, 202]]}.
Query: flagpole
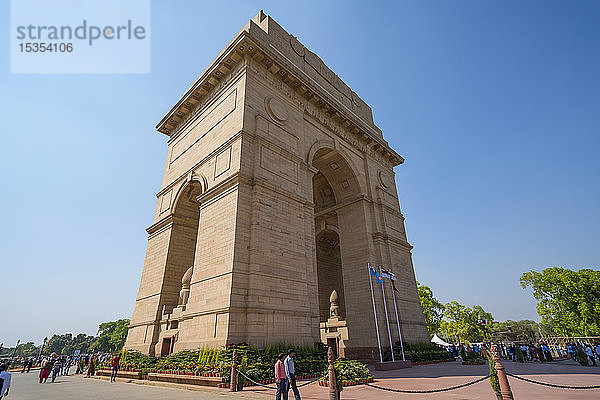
{"points": [[398, 321], [375, 314], [387, 321]]}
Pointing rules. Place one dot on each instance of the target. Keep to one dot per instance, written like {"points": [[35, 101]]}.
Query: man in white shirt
{"points": [[5, 375], [590, 353]]}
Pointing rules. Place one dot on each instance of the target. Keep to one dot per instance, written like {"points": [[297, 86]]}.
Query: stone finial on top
{"points": [[334, 300]]}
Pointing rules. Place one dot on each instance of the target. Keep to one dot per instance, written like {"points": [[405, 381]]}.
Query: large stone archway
{"points": [[297, 197]]}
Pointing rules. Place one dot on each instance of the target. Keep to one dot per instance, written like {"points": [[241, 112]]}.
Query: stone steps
{"points": [[185, 379], [121, 374]]}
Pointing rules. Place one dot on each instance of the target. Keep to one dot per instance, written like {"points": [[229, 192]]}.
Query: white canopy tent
{"points": [[439, 341]]}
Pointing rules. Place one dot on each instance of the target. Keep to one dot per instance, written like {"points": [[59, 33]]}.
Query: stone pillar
{"points": [[233, 384], [500, 371], [333, 391]]}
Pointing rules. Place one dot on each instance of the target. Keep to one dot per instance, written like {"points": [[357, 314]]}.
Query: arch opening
{"points": [[182, 246], [333, 185], [329, 272]]}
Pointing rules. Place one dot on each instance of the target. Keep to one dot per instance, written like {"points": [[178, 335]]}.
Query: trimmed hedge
{"points": [[347, 373], [422, 352], [257, 364]]}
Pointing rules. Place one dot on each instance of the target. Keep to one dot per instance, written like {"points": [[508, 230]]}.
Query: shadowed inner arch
{"points": [[334, 185], [182, 246]]}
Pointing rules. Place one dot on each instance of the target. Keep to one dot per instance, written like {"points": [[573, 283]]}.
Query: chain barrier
{"points": [[432, 390], [275, 387], [552, 384], [436, 390]]}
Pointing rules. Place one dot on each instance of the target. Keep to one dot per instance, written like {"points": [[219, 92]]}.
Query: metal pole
{"points": [[42, 348], [15, 352], [375, 315], [398, 322], [387, 321]]}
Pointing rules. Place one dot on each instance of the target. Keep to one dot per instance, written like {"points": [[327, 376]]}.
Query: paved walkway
{"points": [[25, 386], [453, 373]]}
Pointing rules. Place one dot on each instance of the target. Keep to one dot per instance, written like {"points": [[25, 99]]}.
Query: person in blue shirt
{"points": [[290, 373]]}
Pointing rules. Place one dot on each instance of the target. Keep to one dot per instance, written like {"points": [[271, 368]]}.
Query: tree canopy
{"points": [[568, 301], [524, 330], [57, 343], [433, 310], [465, 323], [111, 336]]}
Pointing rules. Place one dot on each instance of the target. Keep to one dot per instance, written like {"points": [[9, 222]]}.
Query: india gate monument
{"points": [[277, 194]]}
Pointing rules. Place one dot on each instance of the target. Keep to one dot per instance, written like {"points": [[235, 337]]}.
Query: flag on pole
{"points": [[391, 276], [373, 272]]}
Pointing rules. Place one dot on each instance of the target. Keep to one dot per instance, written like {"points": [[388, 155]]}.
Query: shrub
{"points": [[520, 356], [581, 356], [422, 352], [472, 357], [494, 383], [243, 367], [347, 371], [259, 364]]}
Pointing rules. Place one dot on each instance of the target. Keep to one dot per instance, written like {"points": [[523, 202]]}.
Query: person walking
{"points": [[115, 368], [56, 369], [5, 377], [590, 353], [290, 374], [29, 365], [281, 378], [67, 366], [44, 370], [91, 367]]}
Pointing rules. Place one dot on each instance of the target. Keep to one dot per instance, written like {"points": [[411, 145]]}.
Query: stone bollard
{"points": [[233, 384], [333, 391], [501, 373]]}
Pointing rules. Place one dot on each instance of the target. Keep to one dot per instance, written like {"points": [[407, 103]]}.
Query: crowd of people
{"points": [[532, 352], [54, 365]]}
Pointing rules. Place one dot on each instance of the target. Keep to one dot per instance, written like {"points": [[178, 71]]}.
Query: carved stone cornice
{"points": [[318, 102], [385, 237]]}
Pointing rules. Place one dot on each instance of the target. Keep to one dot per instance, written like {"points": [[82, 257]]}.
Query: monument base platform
{"points": [[389, 365]]}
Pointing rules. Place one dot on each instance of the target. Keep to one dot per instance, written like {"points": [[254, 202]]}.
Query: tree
{"points": [[433, 310], [467, 324], [28, 349], [568, 301], [80, 342], [525, 330], [57, 343], [111, 336]]}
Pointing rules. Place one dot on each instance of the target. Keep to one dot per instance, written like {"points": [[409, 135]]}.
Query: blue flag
{"points": [[373, 272]]}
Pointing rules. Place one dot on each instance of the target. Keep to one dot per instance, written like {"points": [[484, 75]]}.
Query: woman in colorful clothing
{"points": [[45, 370]]}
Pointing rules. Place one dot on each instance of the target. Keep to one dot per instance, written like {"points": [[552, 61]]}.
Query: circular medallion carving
{"points": [[383, 179], [297, 46], [276, 110], [356, 100]]}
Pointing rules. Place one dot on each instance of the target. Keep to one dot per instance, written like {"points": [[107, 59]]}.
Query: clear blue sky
{"points": [[494, 105]]}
